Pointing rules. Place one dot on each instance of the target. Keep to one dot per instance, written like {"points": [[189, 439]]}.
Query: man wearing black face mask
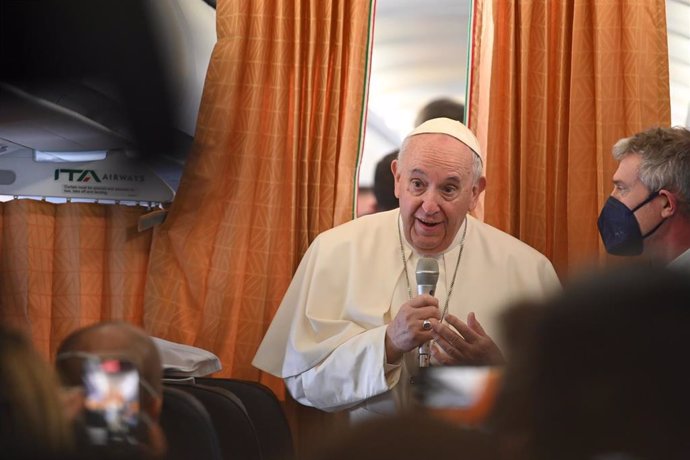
{"points": [[649, 209]]}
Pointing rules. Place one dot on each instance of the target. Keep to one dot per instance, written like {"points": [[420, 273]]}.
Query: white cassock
{"points": [[327, 339]]}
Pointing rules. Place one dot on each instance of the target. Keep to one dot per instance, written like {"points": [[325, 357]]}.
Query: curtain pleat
{"points": [[63, 266], [555, 83], [273, 165], [26, 263]]}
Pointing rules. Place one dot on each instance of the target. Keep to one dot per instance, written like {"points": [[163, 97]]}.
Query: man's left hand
{"points": [[468, 344]]}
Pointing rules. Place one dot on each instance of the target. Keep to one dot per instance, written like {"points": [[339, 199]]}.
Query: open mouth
{"points": [[428, 224]]}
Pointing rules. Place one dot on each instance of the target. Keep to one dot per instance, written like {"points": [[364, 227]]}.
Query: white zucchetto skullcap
{"points": [[452, 128]]}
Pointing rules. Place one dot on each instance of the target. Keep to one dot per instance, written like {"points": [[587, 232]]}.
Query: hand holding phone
{"points": [[111, 400]]}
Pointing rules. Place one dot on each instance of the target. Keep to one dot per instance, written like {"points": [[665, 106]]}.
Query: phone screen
{"points": [[453, 387], [462, 394], [111, 401]]}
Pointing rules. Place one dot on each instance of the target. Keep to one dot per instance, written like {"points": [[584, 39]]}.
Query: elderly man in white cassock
{"points": [[353, 327]]}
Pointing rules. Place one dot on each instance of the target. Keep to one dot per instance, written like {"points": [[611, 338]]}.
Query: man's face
{"points": [[434, 183], [629, 190]]}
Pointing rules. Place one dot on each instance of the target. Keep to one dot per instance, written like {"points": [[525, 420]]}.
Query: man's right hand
{"points": [[405, 332]]}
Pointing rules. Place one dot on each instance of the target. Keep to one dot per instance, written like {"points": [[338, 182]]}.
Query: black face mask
{"points": [[619, 228]]}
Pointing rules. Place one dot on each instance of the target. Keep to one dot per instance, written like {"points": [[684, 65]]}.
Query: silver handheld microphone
{"points": [[427, 277]]}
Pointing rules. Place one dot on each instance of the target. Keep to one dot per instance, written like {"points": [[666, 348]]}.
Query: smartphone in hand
{"points": [[111, 401]]}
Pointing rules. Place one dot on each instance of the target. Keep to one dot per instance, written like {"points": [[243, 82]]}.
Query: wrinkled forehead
{"points": [[435, 148], [628, 170]]}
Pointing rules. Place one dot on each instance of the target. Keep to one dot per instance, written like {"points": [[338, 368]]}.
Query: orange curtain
{"points": [[274, 164], [554, 84], [63, 266]]}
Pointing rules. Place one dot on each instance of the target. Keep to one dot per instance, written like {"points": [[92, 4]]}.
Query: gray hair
{"points": [[477, 162], [665, 154]]}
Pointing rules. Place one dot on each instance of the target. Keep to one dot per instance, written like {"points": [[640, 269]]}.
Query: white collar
{"points": [[409, 250]]}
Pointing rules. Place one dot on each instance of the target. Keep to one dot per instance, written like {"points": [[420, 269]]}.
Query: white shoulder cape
{"points": [[345, 283]]}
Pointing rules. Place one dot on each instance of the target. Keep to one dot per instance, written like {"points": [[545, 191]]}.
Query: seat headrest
{"points": [[181, 360]]}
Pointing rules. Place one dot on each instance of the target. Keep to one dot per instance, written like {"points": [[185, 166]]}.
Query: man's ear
{"points": [[670, 207], [156, 407], [157, 444], [72, 399], [396, 178], [477, 190]]}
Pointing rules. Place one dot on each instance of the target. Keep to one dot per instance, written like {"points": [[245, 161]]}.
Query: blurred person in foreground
{"points": [[648, 211], [33, 420], [600, 372], [347, 332], [123, 344], [407, 437]]}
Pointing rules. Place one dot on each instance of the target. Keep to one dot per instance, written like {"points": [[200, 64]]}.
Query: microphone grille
{"points": [[427, 271]]}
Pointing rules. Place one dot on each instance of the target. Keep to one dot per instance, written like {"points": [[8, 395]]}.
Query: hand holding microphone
{"points": [[411, 326], [427, 277]]}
